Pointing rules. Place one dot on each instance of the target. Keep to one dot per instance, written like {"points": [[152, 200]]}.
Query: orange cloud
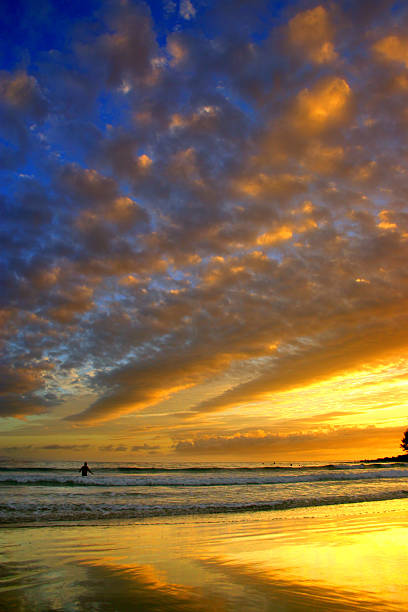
{"points": [[263, 186], [311, 33], [325, 105], [282, 234], [393, 49], [137, 387], [323, 159], [345, 352], [269, 445], [177, 50], [72, 303]]}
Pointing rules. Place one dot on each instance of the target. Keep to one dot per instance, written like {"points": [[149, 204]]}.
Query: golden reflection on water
{"points": [[331, 559]]}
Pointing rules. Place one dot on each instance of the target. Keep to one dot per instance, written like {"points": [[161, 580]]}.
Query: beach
{"points": [[337, 557]]}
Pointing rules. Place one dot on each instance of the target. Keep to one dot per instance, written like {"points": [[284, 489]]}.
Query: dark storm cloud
{"points": [[180, 202]]}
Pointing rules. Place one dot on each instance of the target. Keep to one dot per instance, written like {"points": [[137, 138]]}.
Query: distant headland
{"points": [[397, 459]]}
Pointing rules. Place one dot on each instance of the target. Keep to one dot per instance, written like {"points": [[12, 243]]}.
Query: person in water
{"points": [[85, 469]]}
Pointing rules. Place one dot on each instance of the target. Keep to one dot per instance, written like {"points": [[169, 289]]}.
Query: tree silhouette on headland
{"points": [[402, 458], [404, 441]]}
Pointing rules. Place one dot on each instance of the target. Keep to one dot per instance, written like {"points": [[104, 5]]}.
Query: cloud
{"points": [[187, 10], [345, 351], [392, 48], [67, 306], [325, 105], [177, 50], [125, 52], [311, 32], [22, 406], [19, 391], [17, 448], [21, 91], [268, 444], [135, 387], [21, 104], [144, 447], [64, 446]]}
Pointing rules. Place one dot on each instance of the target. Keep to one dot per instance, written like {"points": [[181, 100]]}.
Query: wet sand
{"points": [[346, 557]]}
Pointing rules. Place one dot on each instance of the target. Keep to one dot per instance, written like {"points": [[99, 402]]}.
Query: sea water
{"points": [[45, 493]]}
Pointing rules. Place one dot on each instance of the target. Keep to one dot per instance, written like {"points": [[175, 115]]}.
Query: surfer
{"points": [[85, 469]]}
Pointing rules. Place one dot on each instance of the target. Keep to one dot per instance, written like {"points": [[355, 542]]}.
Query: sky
{"points": [[204, 230]]}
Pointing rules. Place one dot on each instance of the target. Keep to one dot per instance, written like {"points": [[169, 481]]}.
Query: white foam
{"points": [[199, 479], [32, 512]]}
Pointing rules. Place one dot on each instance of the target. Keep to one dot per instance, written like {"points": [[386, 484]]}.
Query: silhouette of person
{"points": [[85, 469]]}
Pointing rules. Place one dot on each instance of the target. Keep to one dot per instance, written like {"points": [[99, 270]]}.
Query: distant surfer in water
{"points": [[85, 469]]}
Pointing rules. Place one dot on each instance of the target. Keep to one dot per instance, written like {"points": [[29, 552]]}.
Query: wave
{"points": [[156, 470], [209, 469], [33, 513], [202, 480]]}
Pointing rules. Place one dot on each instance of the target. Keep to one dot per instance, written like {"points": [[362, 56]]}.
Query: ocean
{"points": [[46, 493], [197, 537]]}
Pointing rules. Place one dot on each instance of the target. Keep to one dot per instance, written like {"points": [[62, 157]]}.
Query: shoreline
{"points": [[218, 514], [350, 508], [217, 517]]}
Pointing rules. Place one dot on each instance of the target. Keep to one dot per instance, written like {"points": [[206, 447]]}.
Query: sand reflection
{"points": [[272, 591], [293, 561], [133, 587]]}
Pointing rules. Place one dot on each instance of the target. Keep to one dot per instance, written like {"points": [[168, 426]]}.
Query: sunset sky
{"points": [[204, 229]]}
